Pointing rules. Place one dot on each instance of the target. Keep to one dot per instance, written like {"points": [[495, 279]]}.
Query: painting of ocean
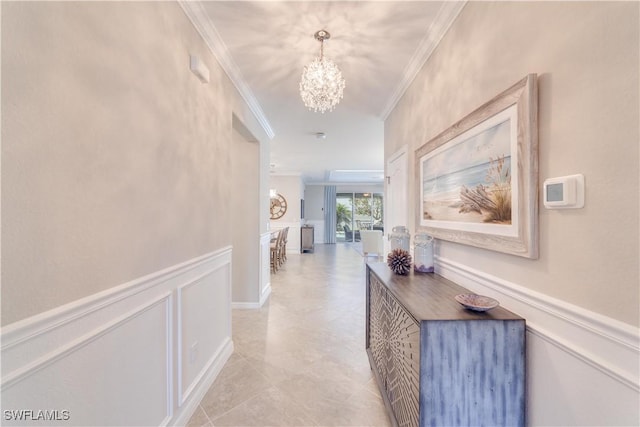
{"points": [[470, 181], [448, 186]]}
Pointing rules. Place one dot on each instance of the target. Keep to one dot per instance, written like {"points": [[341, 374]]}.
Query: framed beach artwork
{"points": [[478, 180]]}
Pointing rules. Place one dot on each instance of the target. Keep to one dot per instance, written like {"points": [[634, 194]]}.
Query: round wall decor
{"points": [[278, 206]]}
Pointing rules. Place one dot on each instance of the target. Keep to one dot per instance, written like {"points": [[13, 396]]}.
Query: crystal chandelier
{"points": [[321, 84]]}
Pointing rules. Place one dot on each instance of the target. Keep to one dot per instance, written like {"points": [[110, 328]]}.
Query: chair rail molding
{"points": [[582, 367], [318, 230], [293, 238], [130, 339], [611, 346]]}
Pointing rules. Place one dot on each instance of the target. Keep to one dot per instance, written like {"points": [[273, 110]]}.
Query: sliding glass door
{"points": [[356, 212], [344, 221]]}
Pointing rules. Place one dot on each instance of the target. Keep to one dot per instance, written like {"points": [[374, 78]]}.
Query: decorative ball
{"points": [[399, 261]]}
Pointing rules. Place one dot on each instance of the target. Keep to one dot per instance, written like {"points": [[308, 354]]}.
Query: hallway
{"points": [[300, 360]]}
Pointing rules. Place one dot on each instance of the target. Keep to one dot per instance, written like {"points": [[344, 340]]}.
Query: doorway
{"points": [[396, 190], [245, 221]]}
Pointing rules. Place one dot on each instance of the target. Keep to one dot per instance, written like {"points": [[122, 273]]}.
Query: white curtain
{"points": [[330, 216]]}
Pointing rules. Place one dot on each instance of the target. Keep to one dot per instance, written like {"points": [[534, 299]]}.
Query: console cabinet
{"points": [[438, 364], [306, 238]]}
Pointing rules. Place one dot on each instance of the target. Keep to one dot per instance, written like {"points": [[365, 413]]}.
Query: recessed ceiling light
{"points": [[321, 135]]}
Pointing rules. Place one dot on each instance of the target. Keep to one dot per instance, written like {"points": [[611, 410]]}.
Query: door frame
{"points": [[402, 187]]}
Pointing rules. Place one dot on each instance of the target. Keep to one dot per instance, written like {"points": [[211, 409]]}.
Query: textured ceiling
{"points": [[378, 46]]}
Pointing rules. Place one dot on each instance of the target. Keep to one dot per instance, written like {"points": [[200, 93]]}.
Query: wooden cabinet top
{"points": [[428, 296]]}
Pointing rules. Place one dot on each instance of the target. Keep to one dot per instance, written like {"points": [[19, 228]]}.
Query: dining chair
{"points": [[275, 250], [283, 249]]}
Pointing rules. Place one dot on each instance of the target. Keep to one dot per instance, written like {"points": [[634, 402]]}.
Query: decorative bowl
{"points": [[476, 302]]}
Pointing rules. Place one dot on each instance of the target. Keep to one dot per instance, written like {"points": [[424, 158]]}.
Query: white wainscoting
{"points": [[265, 267], [583, 368], [142, 353], [318, 230], [293, 238]]}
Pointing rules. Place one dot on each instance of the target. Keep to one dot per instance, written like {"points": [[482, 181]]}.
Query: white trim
{"points": [[205, 380], [74, 345], [198, 16], [170, 360], [318, 230], [600, 365], [33, 344], [34, 366], [611, 346], [265, 267], [344, 183], [401, 151], [438, 28], [277, 224], [215, 363], [286, 173], [183, 397], [266, 292], [245, 305], [31, 327]]}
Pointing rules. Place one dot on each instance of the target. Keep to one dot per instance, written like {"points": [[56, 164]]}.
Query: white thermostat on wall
{"points": [[565, 192]]}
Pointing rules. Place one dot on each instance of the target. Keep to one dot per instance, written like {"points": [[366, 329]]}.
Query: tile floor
{"points": [[300, 360]]}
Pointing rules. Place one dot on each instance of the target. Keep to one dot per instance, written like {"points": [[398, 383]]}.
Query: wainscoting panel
{"points": [[202, 326], [318, 230], [265, 267], [583, 368], [115, 358], [293, 238], [82, 378]]}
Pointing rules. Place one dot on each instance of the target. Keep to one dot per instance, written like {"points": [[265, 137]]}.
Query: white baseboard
{"points": [[265, 267], [245, 305], [266, 292], [94, 357], [568, 347], [253, 305], [202, 385]]}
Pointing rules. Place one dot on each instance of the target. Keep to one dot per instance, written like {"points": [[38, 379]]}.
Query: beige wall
{"points": [[245, 221], [587, 59], [115, 157], [291, 188]]}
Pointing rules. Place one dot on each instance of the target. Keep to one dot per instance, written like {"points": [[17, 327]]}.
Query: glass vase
{"points": [[400, 238], [423, 253]]}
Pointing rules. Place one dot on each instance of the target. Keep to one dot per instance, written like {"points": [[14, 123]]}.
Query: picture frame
{"points": [[477, 181]]}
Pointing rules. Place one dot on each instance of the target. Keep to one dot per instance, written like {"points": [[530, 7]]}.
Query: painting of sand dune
{"points": [[477, 180], [470, 181]]}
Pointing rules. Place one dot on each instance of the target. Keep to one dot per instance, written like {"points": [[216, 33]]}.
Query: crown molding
{"points": [[286, 173], [438, 28], [347, 183], [198, 16]]}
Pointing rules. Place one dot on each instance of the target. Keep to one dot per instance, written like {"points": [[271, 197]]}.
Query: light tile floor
{"points": [[301, 360]]}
